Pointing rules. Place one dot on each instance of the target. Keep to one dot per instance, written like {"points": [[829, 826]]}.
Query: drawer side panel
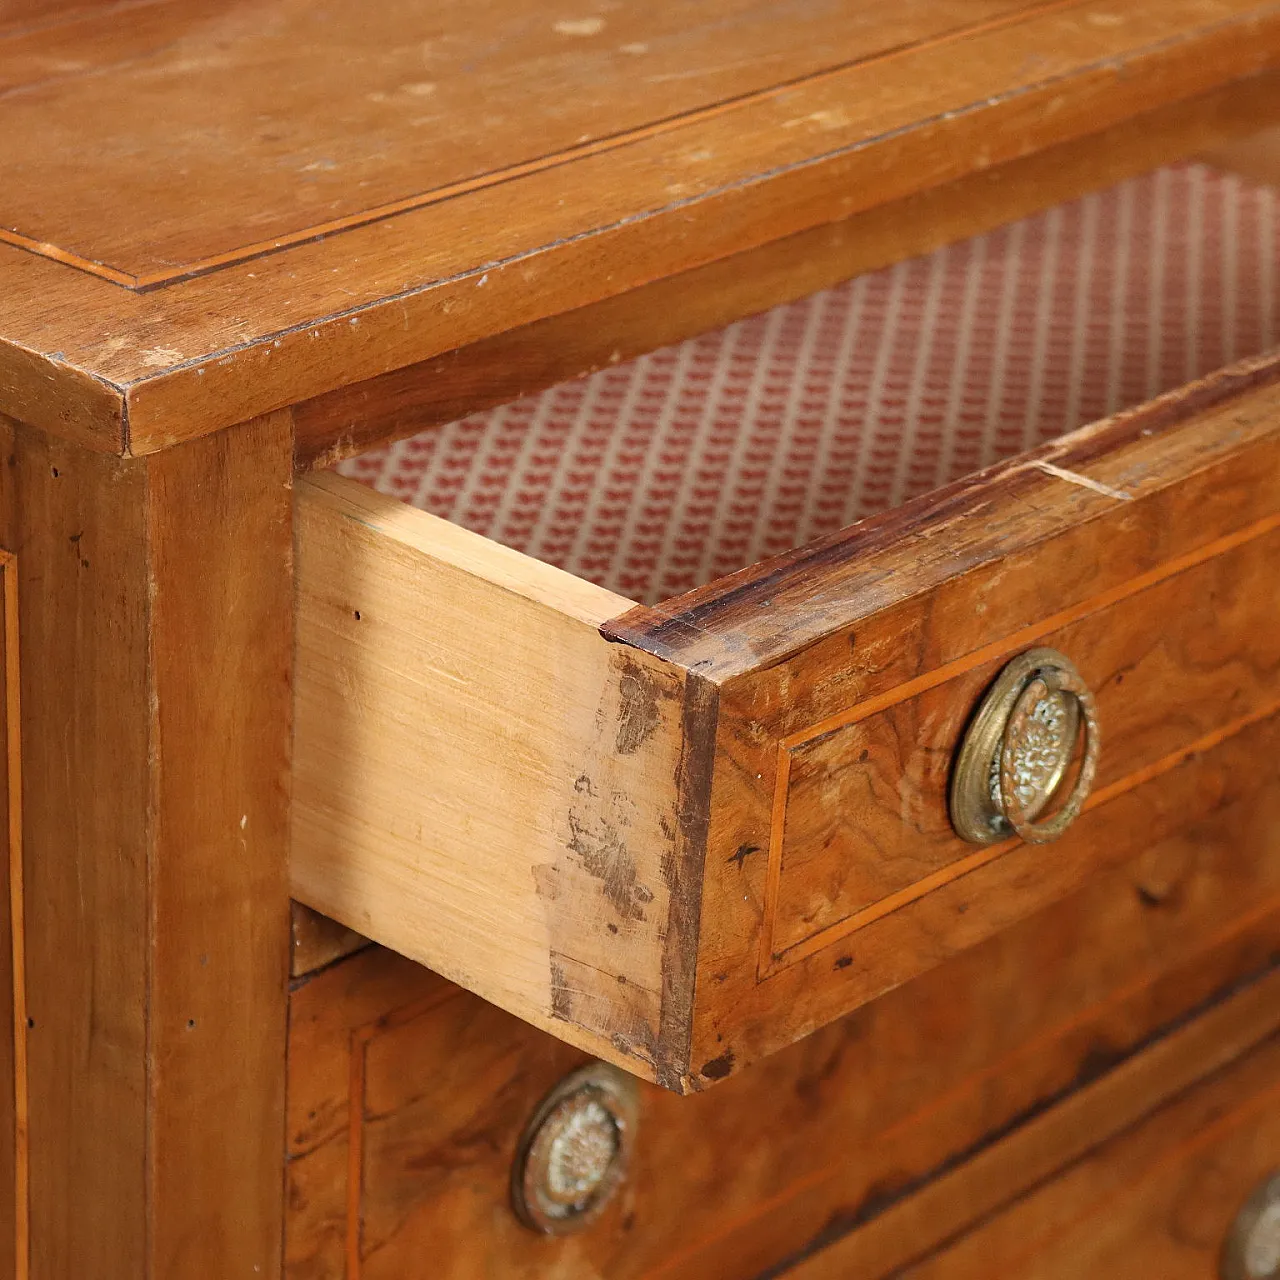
{"points": [[483, 783]]}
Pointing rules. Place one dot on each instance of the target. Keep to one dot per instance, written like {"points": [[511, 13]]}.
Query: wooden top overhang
{"points": [[210, 209]]}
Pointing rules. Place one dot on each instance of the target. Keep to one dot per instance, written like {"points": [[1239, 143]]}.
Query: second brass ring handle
{"points": [[1053, 680]]}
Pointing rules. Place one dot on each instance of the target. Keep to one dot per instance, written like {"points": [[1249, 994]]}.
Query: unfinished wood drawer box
{"points": [[683, 836]]}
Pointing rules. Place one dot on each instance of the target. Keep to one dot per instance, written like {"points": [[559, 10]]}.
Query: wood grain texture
{"points": [[152, 596], [220, 523], [318, 940], [536, 858], [1158, 1199], [536, 93], [24, 12], [924, 96], [901, 1124], [14, 1112], [86, 738]]}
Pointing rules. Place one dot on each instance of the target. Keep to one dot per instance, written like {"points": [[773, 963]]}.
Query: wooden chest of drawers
{"points": [[935, 857]]}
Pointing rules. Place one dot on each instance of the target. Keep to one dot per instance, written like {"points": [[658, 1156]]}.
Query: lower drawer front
{"points": [[1161, 1199], [870, 1144]]}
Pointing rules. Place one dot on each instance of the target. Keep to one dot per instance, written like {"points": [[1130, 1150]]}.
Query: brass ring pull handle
{"points": [[1017, 750], [575, 1149], [1013, 785]]}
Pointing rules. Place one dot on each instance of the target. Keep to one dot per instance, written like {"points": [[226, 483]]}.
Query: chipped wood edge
{"points": [[1101, 463]]}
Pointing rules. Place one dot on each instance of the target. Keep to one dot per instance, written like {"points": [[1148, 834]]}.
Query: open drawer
{"points": [[682, 835]]}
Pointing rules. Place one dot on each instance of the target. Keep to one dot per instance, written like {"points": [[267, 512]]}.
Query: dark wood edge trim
{"points": [[668, 629], [685, 878]]}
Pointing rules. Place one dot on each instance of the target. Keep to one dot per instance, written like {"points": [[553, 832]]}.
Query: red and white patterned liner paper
{"points": [[656, 476]]}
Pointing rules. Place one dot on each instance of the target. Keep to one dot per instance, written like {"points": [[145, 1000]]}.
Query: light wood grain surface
{"points": [[482, 781]]}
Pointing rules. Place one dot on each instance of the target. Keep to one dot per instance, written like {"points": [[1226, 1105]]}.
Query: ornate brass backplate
{"points": [[575, 1149], [1017, 750]]}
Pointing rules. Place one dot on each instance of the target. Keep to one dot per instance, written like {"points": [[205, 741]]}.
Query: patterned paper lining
{"points": [[656, 476]]}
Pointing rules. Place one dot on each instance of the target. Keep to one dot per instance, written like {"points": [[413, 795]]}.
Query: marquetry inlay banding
{"points": [[881, 838]]}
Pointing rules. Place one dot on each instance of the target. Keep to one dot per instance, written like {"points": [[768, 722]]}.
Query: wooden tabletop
{"points": [[213, 208]]}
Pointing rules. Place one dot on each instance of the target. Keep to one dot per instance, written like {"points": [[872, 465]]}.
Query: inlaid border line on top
{"points": [[771, 962], [496, 177]]}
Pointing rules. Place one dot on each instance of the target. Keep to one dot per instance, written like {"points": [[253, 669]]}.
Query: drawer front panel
{"points": [[1159, 1200], [861, 820], [1142, 549], [407, 1095]]}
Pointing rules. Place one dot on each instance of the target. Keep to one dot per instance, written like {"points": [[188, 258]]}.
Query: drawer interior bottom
{"points": [[657, 476]]}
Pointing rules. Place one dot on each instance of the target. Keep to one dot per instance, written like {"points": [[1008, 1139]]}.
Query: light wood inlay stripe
{"points": [[17, 933]]}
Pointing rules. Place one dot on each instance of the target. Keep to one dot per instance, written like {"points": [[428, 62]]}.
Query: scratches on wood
{"points": [[1074, 477], [483, 781]]}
